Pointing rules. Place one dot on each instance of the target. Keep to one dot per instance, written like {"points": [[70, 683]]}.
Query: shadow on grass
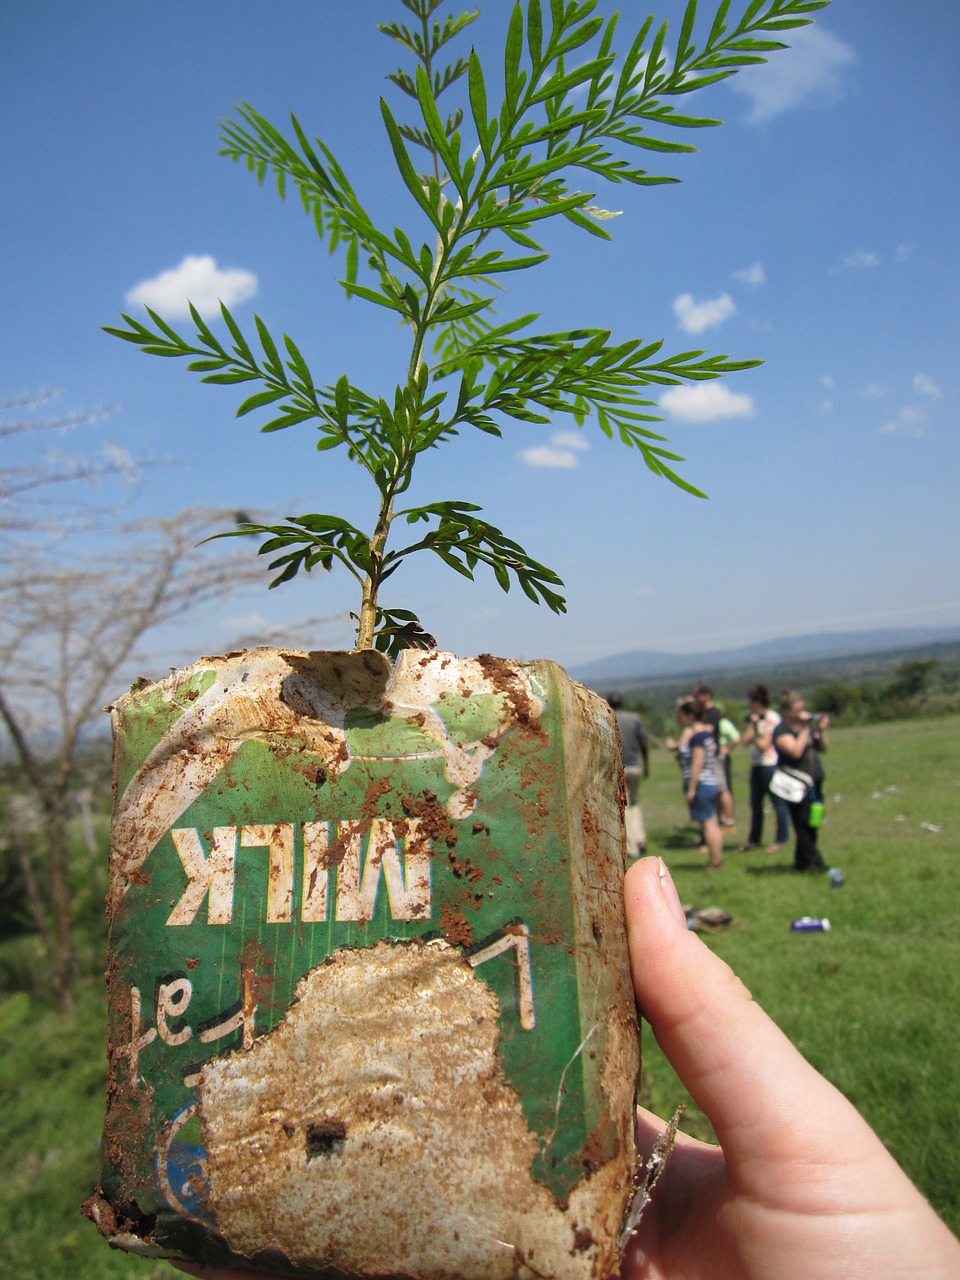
{"points": [[679, 838], [781, 869]]}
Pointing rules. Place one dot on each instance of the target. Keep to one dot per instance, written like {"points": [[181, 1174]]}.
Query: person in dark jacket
{"points": [[800, 738], [636, 766]]}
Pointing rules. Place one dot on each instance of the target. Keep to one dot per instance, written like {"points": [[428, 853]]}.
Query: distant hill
{"points": [[643, 665]]}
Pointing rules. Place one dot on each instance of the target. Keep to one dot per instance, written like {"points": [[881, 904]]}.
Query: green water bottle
{"points": [[816, 813]]}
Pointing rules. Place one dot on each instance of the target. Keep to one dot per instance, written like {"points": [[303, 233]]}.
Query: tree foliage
{"points": [[575, 115]]}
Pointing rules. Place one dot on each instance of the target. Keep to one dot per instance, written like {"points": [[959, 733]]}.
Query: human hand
{"points": [[800, 1186]]}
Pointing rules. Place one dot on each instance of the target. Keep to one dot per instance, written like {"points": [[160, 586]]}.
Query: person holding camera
{"points": [[799, 738], [758, 735]]}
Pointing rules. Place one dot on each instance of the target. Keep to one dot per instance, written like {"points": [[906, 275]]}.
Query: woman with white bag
{"points": [[799, 738]]}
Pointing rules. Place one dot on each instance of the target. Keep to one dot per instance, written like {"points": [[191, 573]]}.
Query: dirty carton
{"points": [[369, 1001]]}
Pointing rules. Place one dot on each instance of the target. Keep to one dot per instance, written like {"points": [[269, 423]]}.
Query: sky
{"points": [[816, 230]]}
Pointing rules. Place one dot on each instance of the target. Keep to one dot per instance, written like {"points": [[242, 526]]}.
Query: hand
{"points": [[800, 1186]]}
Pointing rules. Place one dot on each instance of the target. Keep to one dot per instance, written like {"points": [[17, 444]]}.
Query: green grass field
{"points": [[874, 1004]]}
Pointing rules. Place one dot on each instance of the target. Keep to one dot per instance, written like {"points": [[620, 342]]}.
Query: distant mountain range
{"points": [[647, 664]]}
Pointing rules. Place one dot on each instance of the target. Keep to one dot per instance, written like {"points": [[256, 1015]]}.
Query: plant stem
{"points": [[371, 583]]}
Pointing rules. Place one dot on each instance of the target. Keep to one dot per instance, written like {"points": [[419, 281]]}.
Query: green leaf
{"points": [[274, 362], [374, 295], [486, 130], [512, 76], [562, 82], [259, 400], [227, 379], [438, 136], [535, 34], [297, 362], [578, 37], [405, 166], [684, 48]]}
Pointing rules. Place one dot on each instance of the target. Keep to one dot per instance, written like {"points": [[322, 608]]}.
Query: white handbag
{"points": [[792, 785]]}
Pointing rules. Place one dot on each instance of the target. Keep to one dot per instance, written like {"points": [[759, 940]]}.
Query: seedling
{"points": [[573, 111]]}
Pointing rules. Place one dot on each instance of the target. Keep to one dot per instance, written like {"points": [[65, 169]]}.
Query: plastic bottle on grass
{"points": [[811, 924]]}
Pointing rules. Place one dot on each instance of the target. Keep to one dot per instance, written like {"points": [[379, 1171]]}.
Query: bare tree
{"points": [[80, 592], [26, 484], [70, 636]]}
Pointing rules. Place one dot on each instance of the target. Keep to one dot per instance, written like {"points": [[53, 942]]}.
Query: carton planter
{"points": [[369, 1003]]}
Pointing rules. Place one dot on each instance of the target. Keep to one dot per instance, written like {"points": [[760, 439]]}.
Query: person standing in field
{"points": [[729, 737], [700, 769], [799, 739], [758, 734], [712, 715], [636, 766]]}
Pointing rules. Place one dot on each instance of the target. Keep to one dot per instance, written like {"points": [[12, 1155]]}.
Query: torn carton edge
{"points": [[645, 1179]]}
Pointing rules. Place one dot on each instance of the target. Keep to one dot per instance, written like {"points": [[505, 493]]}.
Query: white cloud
{"points": [[908, 422], [696, 316], [925, 386], [754, 274], [706, 402], [571, 440], [827, 380], [560, 453], [197, 279], [548, 455], [805, 74], [860, 258], [873, 391]]}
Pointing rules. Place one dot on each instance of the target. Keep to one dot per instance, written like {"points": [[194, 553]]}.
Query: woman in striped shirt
{"points": [[696, 751]]}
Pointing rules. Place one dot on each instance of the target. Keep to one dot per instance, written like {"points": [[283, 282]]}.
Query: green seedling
{"points": [[574, 115]]}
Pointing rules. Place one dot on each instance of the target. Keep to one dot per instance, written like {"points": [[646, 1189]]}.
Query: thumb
{"points": [[759, 1093]]}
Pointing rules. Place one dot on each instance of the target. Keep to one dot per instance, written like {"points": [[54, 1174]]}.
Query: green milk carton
{"points": [[369, 1001]]}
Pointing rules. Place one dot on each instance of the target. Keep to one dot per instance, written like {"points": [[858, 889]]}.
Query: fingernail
{"points": [[670, 893]]}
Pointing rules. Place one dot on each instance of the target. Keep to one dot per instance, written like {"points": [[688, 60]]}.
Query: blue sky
{"points": [[816, 230]]}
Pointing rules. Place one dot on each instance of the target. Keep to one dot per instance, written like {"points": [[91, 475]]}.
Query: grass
{"points": [[52, 1079], [873, 1004]]}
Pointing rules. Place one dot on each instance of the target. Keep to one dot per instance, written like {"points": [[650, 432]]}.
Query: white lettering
{"points": [[362, 852], [517, 940], [279, 840], [316, 873], [172, 1000], [138, 1040], [408, 891], [207, 876]]}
